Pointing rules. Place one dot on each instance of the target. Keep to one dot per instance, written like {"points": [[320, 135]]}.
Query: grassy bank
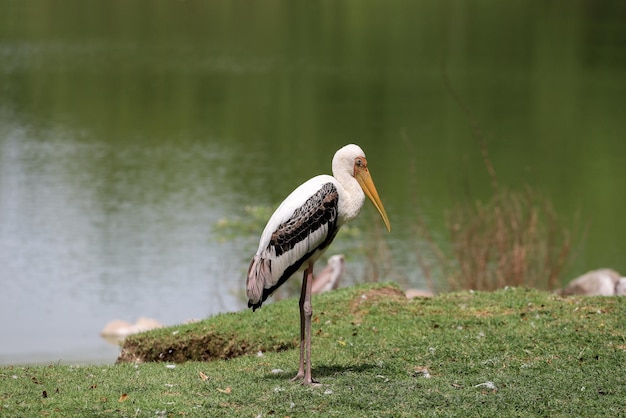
{"points": [[513, 352]]}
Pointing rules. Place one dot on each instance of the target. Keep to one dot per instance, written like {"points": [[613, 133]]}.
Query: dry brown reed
{"points": [[513, 239]]}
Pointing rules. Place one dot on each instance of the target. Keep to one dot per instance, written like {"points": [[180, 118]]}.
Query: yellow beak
{"points": [[367, 184]]}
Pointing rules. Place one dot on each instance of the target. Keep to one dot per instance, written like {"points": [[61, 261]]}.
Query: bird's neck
{"points": [[350, 198]]}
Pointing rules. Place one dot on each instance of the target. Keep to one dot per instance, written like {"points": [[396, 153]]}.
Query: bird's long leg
{"points": [[308, 313], [300, 374]]}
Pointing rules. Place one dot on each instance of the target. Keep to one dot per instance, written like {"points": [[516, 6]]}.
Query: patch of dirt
{"points": [[484, 313], [207, 347], [377, 295]]}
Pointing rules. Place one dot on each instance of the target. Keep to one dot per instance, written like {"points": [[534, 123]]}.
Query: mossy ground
{"points": [[513, 352]]}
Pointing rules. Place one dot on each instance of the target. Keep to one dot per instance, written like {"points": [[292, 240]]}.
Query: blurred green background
{"points": [[130, 130]]}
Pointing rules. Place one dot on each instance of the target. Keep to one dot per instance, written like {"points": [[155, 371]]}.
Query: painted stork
{"points": [[328, 279], [602, 282], [302, 228]]}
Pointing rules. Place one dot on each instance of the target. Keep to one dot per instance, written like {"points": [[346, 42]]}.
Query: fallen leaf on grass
{"points": [[204, 377], [123, 397], [422, 371], [227, 390]]}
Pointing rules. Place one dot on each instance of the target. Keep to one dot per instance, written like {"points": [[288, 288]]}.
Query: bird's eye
{"points": [[359, 162]]}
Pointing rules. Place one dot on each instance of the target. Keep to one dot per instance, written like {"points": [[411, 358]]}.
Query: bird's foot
{"points": [[305, 380], [310, 381], [299, 376]]}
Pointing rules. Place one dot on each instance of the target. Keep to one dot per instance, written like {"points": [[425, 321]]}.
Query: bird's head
{"points": [[353, 158]]}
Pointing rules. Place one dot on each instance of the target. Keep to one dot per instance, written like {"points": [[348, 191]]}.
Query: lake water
{"points": [[131, 132]]}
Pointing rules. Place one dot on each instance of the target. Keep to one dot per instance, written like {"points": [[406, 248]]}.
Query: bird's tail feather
{"points": [[259, 273]]}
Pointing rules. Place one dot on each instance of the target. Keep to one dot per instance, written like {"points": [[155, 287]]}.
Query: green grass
{"points": [[513, 352]]}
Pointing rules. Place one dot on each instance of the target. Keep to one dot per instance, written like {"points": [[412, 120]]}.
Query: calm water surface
{"points": [[130, 132]]}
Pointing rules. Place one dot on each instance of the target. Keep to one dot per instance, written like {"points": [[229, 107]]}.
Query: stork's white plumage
{"points": [[303, 227]]}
